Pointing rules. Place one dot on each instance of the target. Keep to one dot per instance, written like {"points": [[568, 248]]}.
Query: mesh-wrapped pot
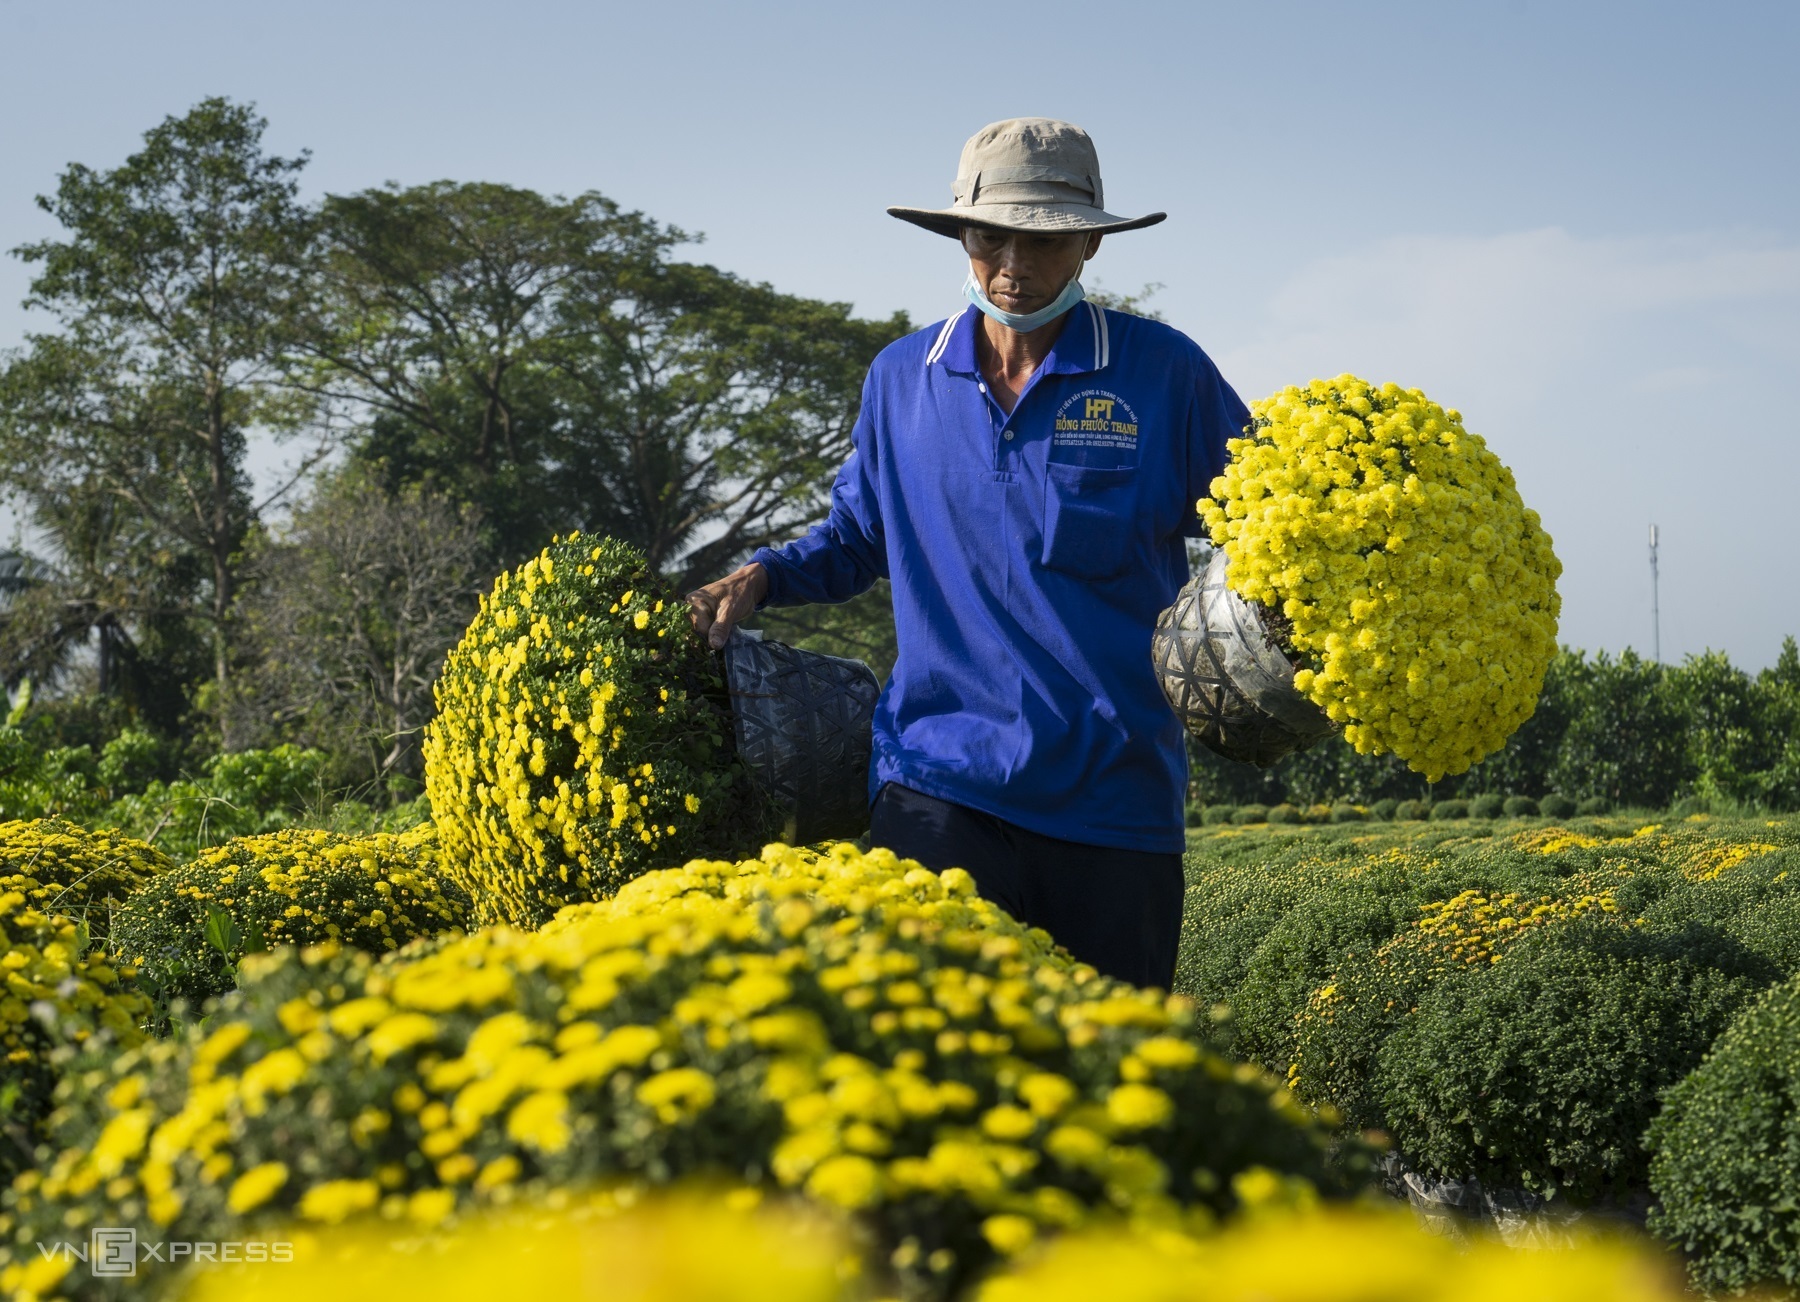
{"points": [[803, 723], [1226, 677]]}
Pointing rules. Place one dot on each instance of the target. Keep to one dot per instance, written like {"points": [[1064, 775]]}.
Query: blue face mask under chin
{"points": [[1026, 322]]}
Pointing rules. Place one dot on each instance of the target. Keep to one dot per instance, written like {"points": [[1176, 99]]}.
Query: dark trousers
{"points": [[1119, 910]]}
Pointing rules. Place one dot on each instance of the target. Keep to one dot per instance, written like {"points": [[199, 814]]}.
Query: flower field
{"points": [[1595, 1010], [572, 1034]]}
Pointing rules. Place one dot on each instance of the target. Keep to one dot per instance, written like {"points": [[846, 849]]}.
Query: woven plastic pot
{"points": [[803, 723], [1227, 679]]}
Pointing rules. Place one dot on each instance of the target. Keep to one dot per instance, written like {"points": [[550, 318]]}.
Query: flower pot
{"points": [[1225, 675], [803, 725]]}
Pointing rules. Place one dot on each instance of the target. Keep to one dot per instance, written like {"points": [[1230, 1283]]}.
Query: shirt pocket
{"points": [[1089, 519]]}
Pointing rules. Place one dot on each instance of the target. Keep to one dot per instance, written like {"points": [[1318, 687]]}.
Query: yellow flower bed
{"points": [[1338, 1256], [1420, 590], [63, 869], [699, 1246], [574, 744], [848, 1026], [301, 886], [58, 991]]}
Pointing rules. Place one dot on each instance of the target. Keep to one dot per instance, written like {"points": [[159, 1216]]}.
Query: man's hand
{"points": [[718, 607]]}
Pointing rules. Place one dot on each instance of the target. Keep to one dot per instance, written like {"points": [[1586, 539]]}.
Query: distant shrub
{"points": [[1593, 806], [1346, 814], [1725, 1164], [1411, 811], [1543, 1068], [1251, 814], [1193, 818], [1298, 955], [68, 871], [187, 930], [1688, 806], [1489, 806], [1339, 1033], [1284, 813], [1383, 809], [1521, 807], [1213, 815], [1444, 810], [1554, 806], [242, 794], [1316, 814]]}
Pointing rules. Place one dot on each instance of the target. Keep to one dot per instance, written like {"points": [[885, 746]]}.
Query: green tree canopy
{"points": [[173, 287], [546, 361]]}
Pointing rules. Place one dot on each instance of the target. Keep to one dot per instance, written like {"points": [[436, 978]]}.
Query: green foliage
{"points": [[1384, 811], [1444, 810], [547, 362], [1503, 1000], [1594, 806], [1251, 814], [1520, 807], [1488, 806], [1543, 1069], [353, 608], [241, 793], [1346, 814], [1411, 811], [1214, 815], [1557, 806], [187, 930], [1284, 813], [1625, 731], [124, 434], [1725, 1165]]}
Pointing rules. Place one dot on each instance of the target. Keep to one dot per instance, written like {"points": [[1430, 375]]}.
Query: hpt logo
{"points": [[113, 1251], [1095, 418]]}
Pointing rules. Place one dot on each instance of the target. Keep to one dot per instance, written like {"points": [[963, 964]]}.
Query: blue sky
{"points": [[1578, 222]]}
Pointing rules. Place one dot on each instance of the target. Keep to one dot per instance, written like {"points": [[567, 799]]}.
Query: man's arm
{"points": [[832, 562], [1215, 415]]}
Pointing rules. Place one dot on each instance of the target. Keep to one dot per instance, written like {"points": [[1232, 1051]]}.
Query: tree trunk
{"points": [[219, 539]]}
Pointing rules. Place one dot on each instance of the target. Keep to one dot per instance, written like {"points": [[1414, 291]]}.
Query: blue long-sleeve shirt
{"points": [[1030, 555]]}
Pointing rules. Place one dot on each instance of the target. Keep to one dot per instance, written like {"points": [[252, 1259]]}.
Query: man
{"points": [[1025, 474]]}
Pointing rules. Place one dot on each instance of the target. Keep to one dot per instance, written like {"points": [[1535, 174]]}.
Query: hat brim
{"points": [[1039, 218]]}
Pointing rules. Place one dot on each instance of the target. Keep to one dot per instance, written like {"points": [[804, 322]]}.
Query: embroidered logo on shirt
{"points": [[1095, 418]]}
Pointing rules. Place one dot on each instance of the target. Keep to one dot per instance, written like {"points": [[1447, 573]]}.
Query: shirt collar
{"points": [[1085, 343]]}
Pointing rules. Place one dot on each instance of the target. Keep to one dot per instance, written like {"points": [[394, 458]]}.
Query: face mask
{"points": [[1026, 322]]}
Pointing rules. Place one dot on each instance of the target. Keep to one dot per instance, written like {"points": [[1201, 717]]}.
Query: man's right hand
{"points": [[719, 607]]}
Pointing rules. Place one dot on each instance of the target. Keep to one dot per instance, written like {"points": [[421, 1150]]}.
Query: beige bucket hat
{"points": [[1027, 174]]}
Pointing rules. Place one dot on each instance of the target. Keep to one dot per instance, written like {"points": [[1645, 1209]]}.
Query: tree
{"points": [[543, 360], [708, 416], [1626, 741], [351, 613], [112, 589], [174, 289], [437, 308], [1727, 745]]}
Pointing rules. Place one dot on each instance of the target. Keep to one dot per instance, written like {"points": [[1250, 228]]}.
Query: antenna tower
{"points": [[1655, 612]]}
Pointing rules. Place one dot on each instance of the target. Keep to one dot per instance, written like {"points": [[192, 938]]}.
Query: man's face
{"points": [[1022, 271]]}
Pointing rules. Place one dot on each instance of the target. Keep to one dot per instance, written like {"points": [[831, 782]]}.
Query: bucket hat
{"points": [[1027, 174]]}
